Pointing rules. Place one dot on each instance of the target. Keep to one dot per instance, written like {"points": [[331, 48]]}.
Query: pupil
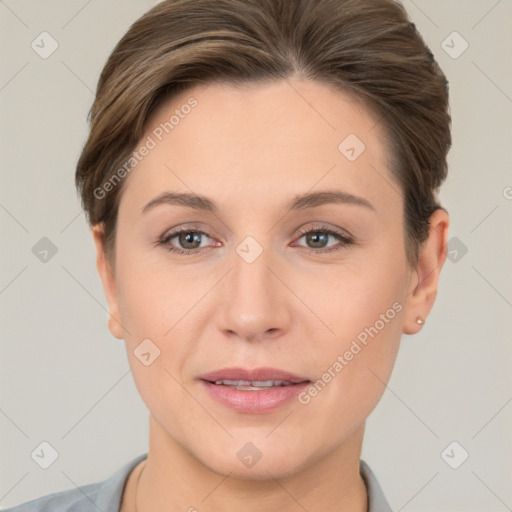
{"points": [[313, 237], [189, 238]]}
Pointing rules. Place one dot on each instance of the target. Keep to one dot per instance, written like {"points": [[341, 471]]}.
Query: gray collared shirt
{"points": [[106, 496]]}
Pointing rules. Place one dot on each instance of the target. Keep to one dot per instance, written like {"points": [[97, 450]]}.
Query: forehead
{"points": [[262, 141]]}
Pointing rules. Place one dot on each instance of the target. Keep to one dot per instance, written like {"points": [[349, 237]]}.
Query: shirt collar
{"points": [[376, 500], [111, 491]]}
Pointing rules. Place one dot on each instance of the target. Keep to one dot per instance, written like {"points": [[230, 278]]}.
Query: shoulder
{"points": [[71, 500], [104, 496]]}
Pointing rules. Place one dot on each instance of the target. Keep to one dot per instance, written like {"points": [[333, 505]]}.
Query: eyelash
{"points": [[345, 240]]}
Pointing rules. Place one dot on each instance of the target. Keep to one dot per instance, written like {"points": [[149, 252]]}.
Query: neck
{"points": [[174, 479]]}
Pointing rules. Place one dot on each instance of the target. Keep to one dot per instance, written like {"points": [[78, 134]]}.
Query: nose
{"points": [[255, 301]]}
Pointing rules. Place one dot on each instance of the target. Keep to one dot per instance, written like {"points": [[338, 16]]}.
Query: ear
{"points": [[425, 278], [109, 283]]}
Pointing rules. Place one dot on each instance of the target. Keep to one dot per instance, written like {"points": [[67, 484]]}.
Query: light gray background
{"points": [[66, 380]]}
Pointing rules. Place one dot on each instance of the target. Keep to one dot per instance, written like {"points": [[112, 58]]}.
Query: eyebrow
{"points": [[301, 202]]}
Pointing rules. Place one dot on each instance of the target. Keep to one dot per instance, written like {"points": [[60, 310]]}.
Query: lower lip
{"points": [[256, 401]]}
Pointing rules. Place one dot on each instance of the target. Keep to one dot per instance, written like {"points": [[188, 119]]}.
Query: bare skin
{"points": [[251, 150]]}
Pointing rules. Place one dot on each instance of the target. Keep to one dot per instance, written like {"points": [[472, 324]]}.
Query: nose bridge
{"points": [[254, 304]]}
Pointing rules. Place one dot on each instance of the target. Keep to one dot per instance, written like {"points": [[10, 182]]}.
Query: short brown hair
{"points": [[368, 47]]}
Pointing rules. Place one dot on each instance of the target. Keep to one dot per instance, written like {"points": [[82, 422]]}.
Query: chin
{"points": [[274, 468], [260, 459]]}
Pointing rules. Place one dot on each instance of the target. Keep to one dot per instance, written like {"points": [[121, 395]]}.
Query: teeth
{"points": [[254, 384]]}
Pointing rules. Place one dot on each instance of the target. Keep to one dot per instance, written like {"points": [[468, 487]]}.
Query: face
{"points": [[259, 278]]}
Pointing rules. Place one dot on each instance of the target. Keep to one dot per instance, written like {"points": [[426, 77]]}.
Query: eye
{"points": [[319, 237], [189, 239]]}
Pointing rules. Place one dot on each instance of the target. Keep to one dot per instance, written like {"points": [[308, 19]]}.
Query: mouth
{"points": [[257, 377], [252, 385], [253, 391]]}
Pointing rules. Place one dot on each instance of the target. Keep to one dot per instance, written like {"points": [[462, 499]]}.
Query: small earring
{"points": [[420, 320]]}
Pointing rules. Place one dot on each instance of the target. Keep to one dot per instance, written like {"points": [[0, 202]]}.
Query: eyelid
{"points": [[343, 233], [176, 230]]}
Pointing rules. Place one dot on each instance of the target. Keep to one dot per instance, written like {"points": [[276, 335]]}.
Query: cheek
{"points": [[353, 296], [352, 371], [152, 297], [362, 304], [153, 306], [161, 341], [367, 330]]}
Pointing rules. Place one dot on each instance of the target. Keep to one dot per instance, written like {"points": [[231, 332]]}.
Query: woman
{"points": [[260, 178]]}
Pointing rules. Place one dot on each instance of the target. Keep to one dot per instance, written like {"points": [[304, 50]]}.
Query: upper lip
{"points": [[255, 374]]}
